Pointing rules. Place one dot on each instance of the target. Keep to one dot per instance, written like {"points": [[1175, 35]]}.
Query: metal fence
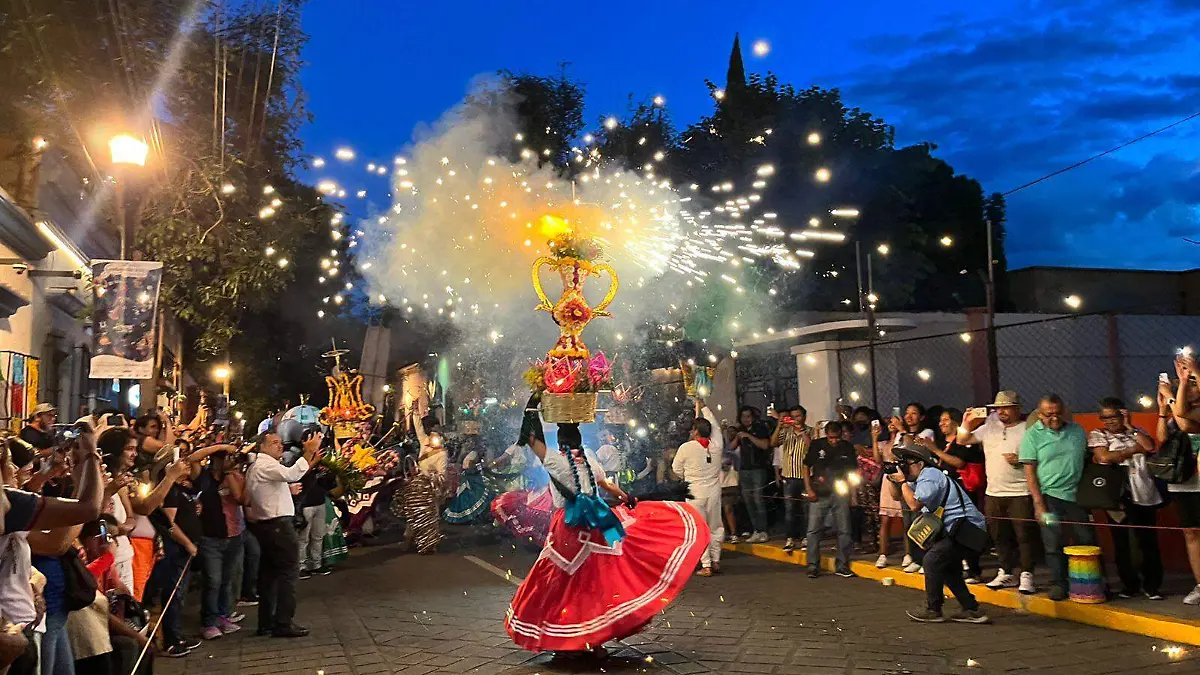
{"points": [[1083, 358]]}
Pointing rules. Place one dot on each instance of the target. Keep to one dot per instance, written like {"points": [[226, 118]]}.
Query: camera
{"points": [[890, 468], [64, 435]]}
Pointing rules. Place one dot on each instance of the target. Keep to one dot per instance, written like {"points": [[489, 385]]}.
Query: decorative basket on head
{"points": [[569, 408], [571, 377]]}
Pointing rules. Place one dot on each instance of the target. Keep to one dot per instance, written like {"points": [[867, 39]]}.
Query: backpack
{"points": [[1175, 461]]}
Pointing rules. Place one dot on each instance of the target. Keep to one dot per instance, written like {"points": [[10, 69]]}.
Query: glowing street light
{"points": [[814, 138], [1073, 301], [822, 175], [128, 150]]}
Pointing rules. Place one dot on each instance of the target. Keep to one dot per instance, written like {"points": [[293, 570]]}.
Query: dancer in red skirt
{"points": [[605, 571], [525, 513]]}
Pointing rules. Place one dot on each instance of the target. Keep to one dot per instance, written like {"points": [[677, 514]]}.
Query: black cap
{"points": [[915, 453]]}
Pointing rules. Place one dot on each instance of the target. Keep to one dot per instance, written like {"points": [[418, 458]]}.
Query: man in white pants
{"points": [[698, 463]]}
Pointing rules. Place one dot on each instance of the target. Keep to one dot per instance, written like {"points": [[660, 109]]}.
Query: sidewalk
{"points": [[1168, 620]]}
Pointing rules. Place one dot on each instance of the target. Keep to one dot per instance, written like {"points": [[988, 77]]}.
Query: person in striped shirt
{"points": [[790, 441]]}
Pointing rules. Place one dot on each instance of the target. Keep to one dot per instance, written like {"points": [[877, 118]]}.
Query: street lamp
{"points": [[223, 374], [127, 151]]}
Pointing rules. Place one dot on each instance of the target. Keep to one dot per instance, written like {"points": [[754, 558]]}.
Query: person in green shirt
{"points": [[1053, 452]]}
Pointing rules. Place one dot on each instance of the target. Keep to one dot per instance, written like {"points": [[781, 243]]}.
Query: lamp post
{"points": [[223, 374], [127, 151]]}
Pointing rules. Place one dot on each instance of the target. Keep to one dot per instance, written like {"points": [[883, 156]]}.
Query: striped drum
{"points": [[1085, 573]]}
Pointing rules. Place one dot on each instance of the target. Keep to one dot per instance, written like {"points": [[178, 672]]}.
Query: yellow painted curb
{"points": [[1103, 615]]}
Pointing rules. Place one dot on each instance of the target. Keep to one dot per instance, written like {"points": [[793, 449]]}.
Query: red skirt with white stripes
{"points": [[583, 592]]}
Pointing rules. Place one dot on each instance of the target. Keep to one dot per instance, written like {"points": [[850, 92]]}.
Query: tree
{"points": [[220, 104]]}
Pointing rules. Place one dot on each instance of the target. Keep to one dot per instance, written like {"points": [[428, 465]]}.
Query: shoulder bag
{"points": [[79, 586]]}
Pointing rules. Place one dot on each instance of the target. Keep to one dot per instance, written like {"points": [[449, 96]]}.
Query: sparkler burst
{"points": [[466, 223]]}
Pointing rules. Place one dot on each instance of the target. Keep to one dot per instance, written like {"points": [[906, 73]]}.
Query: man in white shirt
{"points": [[1000, 429], [608, 454], [270, 518], [698, 463]]}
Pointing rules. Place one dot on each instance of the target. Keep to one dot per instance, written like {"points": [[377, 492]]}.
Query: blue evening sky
{"points": [[1008, 90]]}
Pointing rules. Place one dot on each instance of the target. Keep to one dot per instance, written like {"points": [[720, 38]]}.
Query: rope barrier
{"points": [[150, 637], [1172, 528]]}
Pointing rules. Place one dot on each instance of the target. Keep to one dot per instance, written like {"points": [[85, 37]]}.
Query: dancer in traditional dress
{"points": [[524, 512], [472, 496], [605, 572]]}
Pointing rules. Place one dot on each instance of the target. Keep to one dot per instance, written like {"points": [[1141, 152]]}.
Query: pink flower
{"points": [[599, 369]]}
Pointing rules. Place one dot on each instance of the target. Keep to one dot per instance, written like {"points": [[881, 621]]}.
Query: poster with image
{"points": [[126, 311]]}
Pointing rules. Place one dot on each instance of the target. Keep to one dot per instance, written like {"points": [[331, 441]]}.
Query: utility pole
{"points": [[992, 353]]}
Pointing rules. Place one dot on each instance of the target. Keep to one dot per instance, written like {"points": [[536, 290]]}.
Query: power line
{"points": [[1102, 154]]}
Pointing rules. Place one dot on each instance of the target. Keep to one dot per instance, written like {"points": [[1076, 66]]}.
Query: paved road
{"points": [[385, 612]]}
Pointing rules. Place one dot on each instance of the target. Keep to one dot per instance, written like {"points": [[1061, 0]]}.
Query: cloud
{"points": [[1010, 99]]}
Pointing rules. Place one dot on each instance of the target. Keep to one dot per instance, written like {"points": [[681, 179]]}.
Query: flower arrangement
{"points": [[571, 376], [571, 245]]}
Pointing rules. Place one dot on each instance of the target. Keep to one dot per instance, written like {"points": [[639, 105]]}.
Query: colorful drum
{"points": [[1085, 573]]}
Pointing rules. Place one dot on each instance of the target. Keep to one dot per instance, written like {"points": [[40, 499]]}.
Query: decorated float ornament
{"points": [[575, 260], [571, 377], [697, 380], [346, 408]]}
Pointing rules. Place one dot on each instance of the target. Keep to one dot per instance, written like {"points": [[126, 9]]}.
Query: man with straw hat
{"points": [[1008, 505]]}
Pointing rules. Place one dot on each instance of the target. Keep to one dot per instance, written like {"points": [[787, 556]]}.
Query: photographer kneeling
{"points": [[952, 526]]}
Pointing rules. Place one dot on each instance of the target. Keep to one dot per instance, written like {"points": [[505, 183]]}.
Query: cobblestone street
{"points": [[388, 612]]}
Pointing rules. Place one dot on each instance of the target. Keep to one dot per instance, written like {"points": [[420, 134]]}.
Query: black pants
{"points": [[278, 571], [1147, 541], [943, 567]]}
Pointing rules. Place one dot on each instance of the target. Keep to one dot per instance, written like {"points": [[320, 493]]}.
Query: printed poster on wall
{"points": [[126, 298]]}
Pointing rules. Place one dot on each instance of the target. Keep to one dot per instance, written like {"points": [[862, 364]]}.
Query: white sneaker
{"points": [[921, 570], [1027, 586], [907, 560], [733, 539], [881, 562], [1003, 580], [1193, 598], [788, 545], [966, 567], [757, 538], [912, 568], [972, 580]]}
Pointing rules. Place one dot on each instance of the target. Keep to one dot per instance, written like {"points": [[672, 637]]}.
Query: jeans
{"points": [[57, 658], [170, 570], [277, 572], [252, 554], [753, 482], [1012, 537], [218, 556], [943, 568], [794, 505], [312, 538], [1147, 541], [1053, 539], [839, 508]]}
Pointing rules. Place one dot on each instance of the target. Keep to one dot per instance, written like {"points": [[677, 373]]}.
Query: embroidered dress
{"points": [[471, 498], [525, 513], [604, 573]]}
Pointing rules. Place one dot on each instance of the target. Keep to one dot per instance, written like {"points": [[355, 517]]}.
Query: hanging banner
{"points": [[126, 308]]}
